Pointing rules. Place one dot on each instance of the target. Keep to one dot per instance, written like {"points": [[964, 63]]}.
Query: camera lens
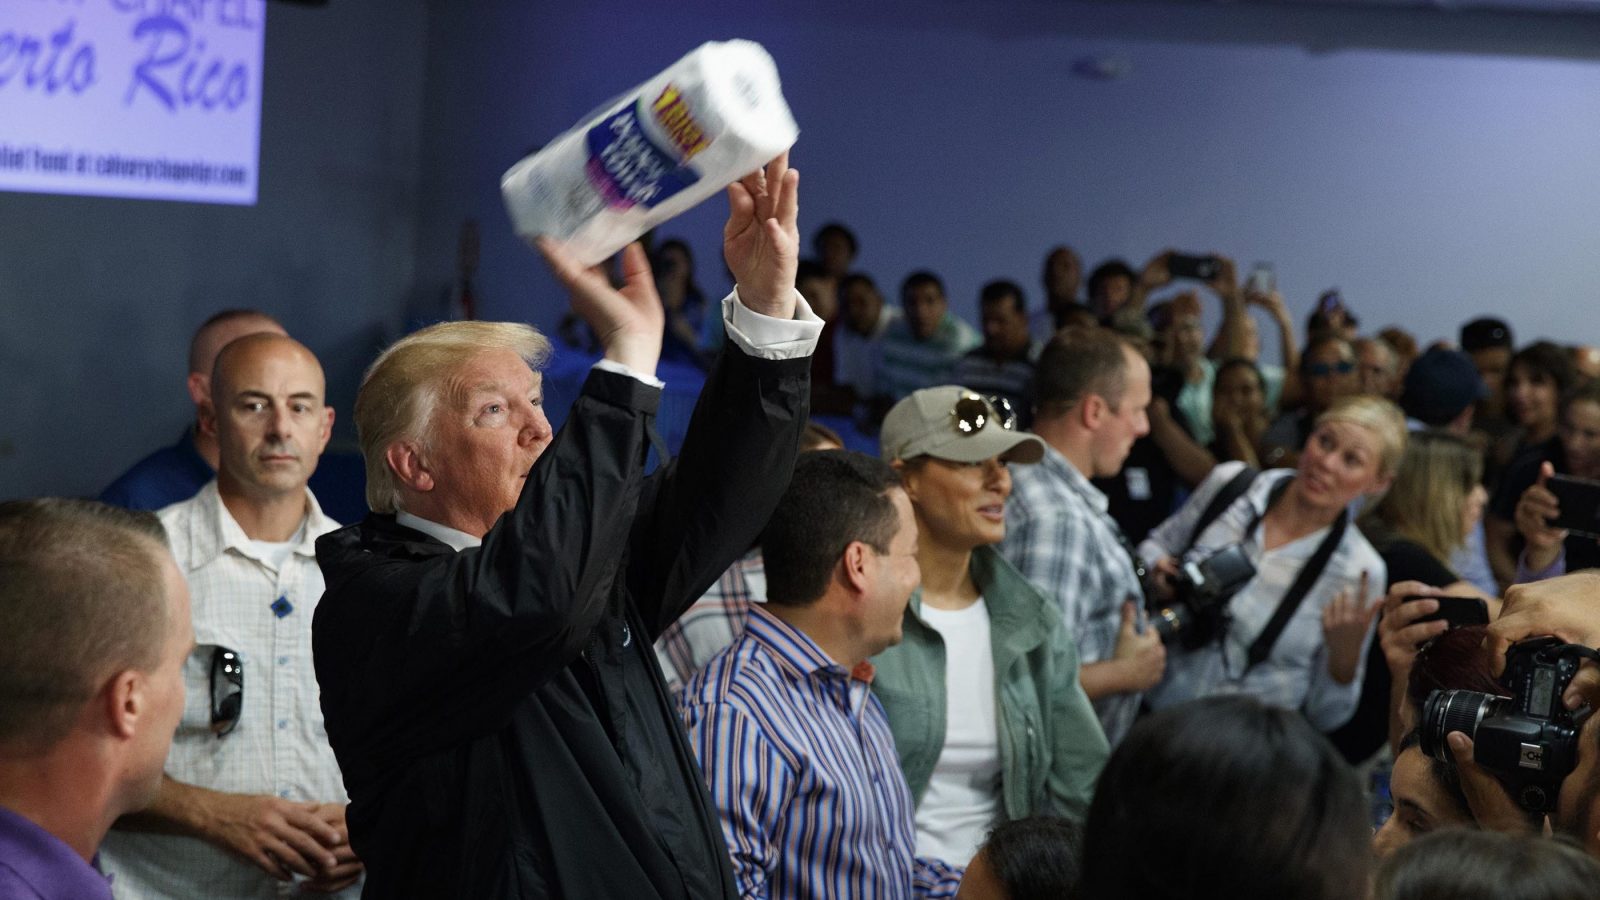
{"points": [[1170, 621], [1448, 711]]}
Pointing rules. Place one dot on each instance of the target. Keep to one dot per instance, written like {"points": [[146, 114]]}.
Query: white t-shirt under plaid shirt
{"points": [[279, 746], [1060, 537]]}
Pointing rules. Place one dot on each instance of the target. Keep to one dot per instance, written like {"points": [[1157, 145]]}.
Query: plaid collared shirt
{"points": [[1059, 535], [279, 746], [713, 622], [802, 769]]}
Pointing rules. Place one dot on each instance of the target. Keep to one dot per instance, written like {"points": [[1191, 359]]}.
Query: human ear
{"points": [[855, 565], [199, 386], [123, 699], [405, 461], [1092, 410], [208, 417]]}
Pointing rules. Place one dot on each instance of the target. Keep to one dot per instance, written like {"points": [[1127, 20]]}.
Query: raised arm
{"points": [[709, 505]]}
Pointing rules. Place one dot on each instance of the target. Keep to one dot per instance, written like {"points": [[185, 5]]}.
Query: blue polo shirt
{"points": [[165, 477]]}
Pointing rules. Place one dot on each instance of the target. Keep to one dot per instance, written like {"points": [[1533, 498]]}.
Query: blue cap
{"points": [[1439, 385]]}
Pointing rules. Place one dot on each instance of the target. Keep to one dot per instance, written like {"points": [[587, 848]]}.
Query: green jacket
{"points": [[1051, 746]]}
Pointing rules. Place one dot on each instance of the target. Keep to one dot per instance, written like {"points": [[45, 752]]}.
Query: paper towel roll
{"points": [[713, 117]]}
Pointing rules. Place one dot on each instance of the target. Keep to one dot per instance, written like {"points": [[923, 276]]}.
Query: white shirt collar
{"points": [[458, 540]]}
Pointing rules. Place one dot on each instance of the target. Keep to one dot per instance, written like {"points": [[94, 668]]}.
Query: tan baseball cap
{"points": [[953, 423]]}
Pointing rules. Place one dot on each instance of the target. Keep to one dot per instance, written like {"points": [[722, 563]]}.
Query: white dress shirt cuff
{"points": [[766, 337], [611, 365]]}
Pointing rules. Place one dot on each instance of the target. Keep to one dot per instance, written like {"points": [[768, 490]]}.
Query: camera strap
{"points": [[1233, 490], [1261, 648]]}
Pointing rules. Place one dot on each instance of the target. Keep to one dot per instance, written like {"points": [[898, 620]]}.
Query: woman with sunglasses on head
{"points": [[1327, 373], [1293, 631], [982, 693]]}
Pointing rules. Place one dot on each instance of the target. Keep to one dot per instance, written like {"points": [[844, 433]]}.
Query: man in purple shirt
{"points": [[96, 621]]}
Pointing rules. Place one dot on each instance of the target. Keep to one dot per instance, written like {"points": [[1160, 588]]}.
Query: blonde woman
{"points": [[1295, 633], [1435, 501]]}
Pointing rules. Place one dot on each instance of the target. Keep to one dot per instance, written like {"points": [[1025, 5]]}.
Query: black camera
{"points": [[1201, 591], [1529, 741]]}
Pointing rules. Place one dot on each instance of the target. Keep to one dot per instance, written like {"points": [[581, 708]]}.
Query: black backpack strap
{"points": [[1233, 490], [1309, 573]]}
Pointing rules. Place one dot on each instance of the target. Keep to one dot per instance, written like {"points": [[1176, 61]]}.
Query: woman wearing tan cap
{"points": [[982, 693]]}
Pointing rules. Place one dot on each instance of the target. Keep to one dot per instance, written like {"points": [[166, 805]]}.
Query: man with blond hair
{"points": [[95, 619], [251, 803], [484, 647]]}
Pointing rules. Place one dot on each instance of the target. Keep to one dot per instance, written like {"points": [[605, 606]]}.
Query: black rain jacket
{"points": [[498, 714]]}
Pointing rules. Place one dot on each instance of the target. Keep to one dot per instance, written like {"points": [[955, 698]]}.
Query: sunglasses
{"points": [[972, 413], [1322, 370], [227, 690]]}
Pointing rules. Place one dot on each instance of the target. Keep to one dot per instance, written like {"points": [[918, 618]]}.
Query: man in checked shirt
{"points": [[1091, 391], [251, 805]]}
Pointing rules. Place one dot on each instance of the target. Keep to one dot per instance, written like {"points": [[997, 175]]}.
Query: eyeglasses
{"points": [[227, 690], [973, 412], [1322, 370]]}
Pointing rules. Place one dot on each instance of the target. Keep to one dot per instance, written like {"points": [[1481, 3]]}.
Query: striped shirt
{"points": [[907, 363], [803, 771], [1008, 378]]}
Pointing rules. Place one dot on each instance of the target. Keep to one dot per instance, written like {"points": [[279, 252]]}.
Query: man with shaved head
{"points": [[177, 472], [251, 797]]}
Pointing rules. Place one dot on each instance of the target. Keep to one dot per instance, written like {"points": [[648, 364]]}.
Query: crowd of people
{"points": [[1118, 610]]}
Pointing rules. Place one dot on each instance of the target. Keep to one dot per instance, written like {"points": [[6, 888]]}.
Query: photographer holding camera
{"points": [[1261, 583], [1537, 751]]}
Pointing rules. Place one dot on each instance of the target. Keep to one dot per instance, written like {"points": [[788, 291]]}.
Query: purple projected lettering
{"points": [[177, 73], [45, 64]]}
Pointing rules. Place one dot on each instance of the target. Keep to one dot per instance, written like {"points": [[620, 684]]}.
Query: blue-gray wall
{"points": [[1432, 166]]}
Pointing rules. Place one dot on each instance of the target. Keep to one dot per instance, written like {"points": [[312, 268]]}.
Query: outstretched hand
{"points": [[628, 321], [1344, 630], [761, 241]]}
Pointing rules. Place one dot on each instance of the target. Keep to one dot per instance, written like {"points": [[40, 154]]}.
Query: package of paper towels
{"points": [[715, 116]]}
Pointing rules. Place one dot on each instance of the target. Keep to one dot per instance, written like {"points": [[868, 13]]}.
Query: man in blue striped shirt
{"points": [[796, 749]]}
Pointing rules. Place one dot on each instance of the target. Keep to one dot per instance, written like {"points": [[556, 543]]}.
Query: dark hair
{"points": [[196, 363], [1443, 773], [1545, 360], [1225, 797], [1239, 362], [1585, 391], [808, 268], [1106, 271], [1036, 858], [855, 278], [1465, 864], [1001, 289], [834, 228], [1452, 661], [836, 497], [1320, 341], [83, 595], [1401, 342], [918, 279], [1076, 363]]}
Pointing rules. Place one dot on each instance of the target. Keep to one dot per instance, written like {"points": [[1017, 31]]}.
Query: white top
{"points": [[963, 796], [273, 554], [280, 745]]}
